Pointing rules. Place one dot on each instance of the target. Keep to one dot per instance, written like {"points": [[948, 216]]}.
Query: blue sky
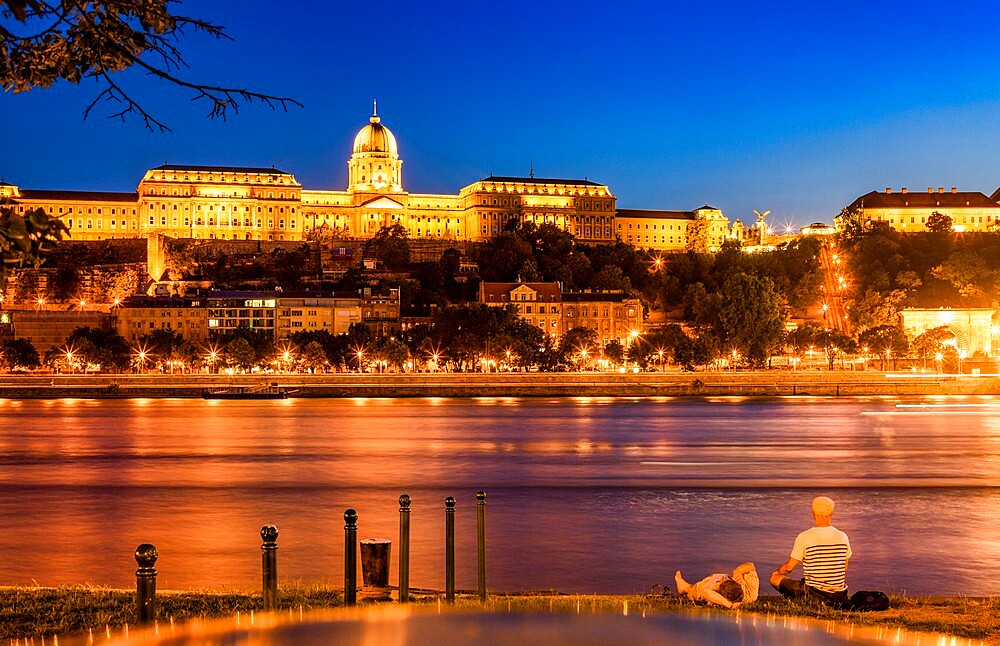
{"points": [[793, 107]]}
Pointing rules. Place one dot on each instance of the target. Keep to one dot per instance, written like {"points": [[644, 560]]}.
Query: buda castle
{"points": [[243, 203]]}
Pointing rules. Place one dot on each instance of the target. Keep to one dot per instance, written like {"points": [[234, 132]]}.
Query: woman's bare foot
{"points": [[682, 585]]}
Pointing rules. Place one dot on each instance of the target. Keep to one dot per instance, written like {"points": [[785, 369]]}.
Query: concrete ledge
{"points": [[699, 384]]}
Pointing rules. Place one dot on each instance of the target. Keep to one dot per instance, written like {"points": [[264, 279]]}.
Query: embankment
{"points": [[657, 384]]}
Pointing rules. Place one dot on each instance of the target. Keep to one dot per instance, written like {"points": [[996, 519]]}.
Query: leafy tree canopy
{"points": [[42, 42]]}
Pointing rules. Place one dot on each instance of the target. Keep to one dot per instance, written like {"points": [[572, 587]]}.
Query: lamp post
{"points": [[938, 357]]}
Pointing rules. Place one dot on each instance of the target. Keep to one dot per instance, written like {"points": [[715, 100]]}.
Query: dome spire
{"points": [[375, 118]]}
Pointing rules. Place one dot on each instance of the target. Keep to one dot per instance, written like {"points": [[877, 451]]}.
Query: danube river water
{"points": [[584, 495]]}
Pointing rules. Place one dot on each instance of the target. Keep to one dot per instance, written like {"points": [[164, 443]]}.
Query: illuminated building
{"points": [[197, 318], [669, 230], [252, 203], [141, 315], [817, 229], [907, 211], [972, 327], [613, 315]]}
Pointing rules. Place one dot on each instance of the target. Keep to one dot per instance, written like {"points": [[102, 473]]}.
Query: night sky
{"points": [[797, 107]]}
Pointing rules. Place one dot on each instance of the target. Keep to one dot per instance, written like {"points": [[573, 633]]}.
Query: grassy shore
{"points": [[38, 612]]}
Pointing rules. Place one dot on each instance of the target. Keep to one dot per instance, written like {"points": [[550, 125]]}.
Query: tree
{"points": [[238, 353], [390, 246], [579, 345], [887, 341], [73, 40], [932, 341], [835, 343], [751, 319], [25, 239], [614, 352], [803, 338], [313, 357], [18, 353], [697, 236], [939, 223], [99, 347]]}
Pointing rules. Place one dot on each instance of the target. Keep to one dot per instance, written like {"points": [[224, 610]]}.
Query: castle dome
{"points": [[375, 138]]}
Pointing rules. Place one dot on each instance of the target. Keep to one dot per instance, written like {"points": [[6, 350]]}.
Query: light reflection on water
{"points": [[585, 494]]}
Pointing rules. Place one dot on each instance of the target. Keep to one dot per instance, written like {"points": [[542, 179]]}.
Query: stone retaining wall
{"points": [[760, 384]]}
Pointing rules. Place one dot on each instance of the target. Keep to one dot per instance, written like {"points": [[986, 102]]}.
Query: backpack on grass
{"points": [[868, 601]]}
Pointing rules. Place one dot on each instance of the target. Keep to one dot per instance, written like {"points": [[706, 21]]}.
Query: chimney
{"points": [[888, 190], [954, 189], [903, 190], [940, 189], [930, 189]]}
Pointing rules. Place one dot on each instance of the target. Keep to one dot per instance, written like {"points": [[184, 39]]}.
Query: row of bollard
{"points": [[145, 557]]}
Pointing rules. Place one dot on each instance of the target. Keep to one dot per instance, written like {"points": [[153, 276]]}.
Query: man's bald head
{"points": [[822, 508]]}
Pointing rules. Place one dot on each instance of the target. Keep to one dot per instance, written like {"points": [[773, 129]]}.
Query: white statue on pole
{"points": [[761, 226]]}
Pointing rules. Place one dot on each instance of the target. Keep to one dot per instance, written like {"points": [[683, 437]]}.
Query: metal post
{"points": [[269, 566], [404, 548], [145, 584], [449, 549], [481, 541], [351, 558]]}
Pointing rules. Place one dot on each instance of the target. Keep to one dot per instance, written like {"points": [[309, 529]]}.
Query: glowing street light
{"points": [[82, 304]]}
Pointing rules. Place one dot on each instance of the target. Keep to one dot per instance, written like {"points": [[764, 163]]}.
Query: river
{"points": [[584, 495]]}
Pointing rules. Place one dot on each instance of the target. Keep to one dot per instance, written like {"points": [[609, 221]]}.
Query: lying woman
{"points": [[722, 589]]}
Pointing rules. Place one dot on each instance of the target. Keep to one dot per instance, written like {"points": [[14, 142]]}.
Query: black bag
{"points": [[868, 601]]}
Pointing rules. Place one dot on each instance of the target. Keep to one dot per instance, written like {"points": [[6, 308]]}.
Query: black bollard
{"points": [[145, 584], [351, 558], [404, 548], [481, 542], [449, 549], [269, 566]]}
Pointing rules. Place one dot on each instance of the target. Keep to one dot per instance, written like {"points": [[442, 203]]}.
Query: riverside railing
{"points": [[146, 556]]}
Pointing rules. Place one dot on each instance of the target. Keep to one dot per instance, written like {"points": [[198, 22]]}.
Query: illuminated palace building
{"points": [[236, 203], [905, 210]]}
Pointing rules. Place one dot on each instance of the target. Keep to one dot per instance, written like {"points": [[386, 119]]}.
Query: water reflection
{"points": [[585, 495]]}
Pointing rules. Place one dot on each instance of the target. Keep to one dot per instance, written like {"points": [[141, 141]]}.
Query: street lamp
{"points": [[961, 357], [938, 357], [69, 360]]}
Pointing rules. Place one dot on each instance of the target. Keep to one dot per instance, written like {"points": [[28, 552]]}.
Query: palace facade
{"points": [[250, 203], [907, 211], [613, 315]]}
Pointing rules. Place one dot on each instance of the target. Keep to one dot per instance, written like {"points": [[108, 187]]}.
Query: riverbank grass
{"points": [[43, 612]]}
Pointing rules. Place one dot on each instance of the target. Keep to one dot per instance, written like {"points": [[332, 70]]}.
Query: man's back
{"points": [[824, 552]]}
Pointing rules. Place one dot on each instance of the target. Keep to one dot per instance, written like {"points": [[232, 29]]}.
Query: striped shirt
{"points": [[824, 552]]}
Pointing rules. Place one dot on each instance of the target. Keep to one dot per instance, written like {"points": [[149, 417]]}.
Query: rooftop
{"points": [[223, 169], [90, 196], [917, 200], [539, 180], [656, 214]]}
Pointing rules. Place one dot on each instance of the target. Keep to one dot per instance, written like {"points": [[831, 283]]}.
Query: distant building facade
{"points": [[613, 315], [908, 211], [198, 318], [254, 203], [972, 327], [669, 230]]}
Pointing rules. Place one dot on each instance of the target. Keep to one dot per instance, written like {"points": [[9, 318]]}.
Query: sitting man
{"points": [[721, 589], [823, 551]]}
